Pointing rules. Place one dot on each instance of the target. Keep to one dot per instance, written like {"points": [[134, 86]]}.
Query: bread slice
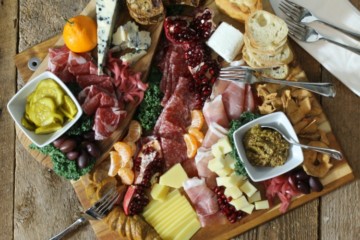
{"points": [[284, 56], [238, 9], [264, 50], [280, 72], [146, 11], [265, 30]]}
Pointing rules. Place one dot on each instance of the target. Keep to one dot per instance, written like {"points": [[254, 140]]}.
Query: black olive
{"points": [[303, 187], [72, 155], [68, 145], [93, 150], [57, 143], [315, 184], [83, 160], [302, 175]]}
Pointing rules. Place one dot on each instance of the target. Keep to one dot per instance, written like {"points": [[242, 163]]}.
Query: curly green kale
{"points": [[150, 108], [62, 166], [234, 125], [83, 125]]}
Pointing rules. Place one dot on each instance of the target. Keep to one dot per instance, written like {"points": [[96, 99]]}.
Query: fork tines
{"points": [[291, 9], [232, 74], [296, 29], [105, 204]]}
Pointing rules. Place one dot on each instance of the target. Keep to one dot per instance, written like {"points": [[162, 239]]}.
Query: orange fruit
{"points": [[125, 151], [191, 145], [197, 119], [197, 134], [127, 175], [133, 147], [134, 133], [80, 34], [115, 163]]}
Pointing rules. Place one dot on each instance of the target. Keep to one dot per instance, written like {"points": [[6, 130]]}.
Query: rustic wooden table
{"points": [[36, 203]]}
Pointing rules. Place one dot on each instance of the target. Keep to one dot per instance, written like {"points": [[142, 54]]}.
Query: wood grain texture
{"points": [[333, 216], [8, 44]]}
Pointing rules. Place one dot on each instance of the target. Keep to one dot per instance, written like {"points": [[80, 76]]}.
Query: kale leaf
{"points": [[83, 125]]}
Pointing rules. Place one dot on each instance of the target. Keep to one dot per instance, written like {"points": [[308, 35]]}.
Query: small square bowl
{"points": [[16, 107], [281, 122]]}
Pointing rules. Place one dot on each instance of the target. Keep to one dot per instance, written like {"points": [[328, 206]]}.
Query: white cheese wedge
{"points": [[133, 57], [248, 188], [255, 197], [239, 203], [233, 192], [226, 41], [120, 36], [262, 205], [106, 12], [248, 209]]}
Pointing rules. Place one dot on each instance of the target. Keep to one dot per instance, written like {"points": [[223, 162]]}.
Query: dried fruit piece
{"points": [[316, 164], [191, 145]]}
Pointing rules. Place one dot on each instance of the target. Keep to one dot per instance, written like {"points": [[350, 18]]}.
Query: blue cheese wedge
{"points": [[139, 40], [106, 11], [226, 41]]}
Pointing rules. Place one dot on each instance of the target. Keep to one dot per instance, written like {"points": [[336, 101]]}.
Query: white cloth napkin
{"points": [[342, 63]]}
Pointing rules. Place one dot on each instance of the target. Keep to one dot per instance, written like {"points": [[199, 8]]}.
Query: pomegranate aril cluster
{"points": [[138, 201], [225, 207]]}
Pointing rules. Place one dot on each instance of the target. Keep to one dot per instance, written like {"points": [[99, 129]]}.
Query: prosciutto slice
{"points": [[202, 158], [234, 99], [106, 121], [203, 199], [214, 112], [214, 133]]}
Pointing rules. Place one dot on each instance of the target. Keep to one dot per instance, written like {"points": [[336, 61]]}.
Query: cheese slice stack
{"points": [[105, 16]]}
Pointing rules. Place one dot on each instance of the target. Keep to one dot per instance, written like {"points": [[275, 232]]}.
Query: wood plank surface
{"points": [[8, 45], [334, 216]]}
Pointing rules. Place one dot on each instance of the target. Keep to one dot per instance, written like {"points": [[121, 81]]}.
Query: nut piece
{"points": [[316, 164]]}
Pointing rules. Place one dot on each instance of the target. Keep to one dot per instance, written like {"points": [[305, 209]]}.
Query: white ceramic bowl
{"points": [[295, 158], [16, 107]]}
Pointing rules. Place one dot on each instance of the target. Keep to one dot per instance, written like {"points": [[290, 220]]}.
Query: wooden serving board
{"points": [[340, 174]]}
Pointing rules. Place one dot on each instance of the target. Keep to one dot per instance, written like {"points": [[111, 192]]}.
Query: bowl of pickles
{"points": [[44, 109]]}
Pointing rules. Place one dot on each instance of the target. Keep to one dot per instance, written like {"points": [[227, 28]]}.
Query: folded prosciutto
{"points": [[234, 99], [214, 112], [202, 158], [205, 202]]}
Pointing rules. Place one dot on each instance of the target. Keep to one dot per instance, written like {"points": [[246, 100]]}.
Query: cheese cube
{"points": [[248, 188], [229, 161], [174, 177], [224, 172], [216, 164], [262, 205], [240, 179], [255, 197], [233, 192], [222, 147], [239, 203], [227, 181], [248, 209], [159, 192], [226, 41]]}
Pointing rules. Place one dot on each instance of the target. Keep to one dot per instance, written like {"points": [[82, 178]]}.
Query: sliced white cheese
{"points": [[239, 203], [133, 56], [248, 188], [216, 164], [221, 148], [262, 205], [224, 172], [226, 41], [248, 209], [255, 197], [229, 162], [106, 12], [233, 192]]}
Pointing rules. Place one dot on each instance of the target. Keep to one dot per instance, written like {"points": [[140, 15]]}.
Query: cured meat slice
{"points": [[190, 168], [203, 199], [106, 121], [249, 99], [202, 158], [174, 151], [214, 112], [234, 100], [83, 69], [214, 219], [214, 133], [219, 87], [104, 82]]}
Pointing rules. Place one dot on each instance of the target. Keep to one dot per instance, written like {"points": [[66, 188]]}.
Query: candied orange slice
{"points": [[197, 134], [115, 163], [124, 150], [197, 119], [127, 175], [134, 133], [191, 145]]}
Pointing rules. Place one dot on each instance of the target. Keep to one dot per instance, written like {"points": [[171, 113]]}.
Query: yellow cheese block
{"points": [[166, 209], [155, 206], [174, 177], [189, 230], [159, 192]]}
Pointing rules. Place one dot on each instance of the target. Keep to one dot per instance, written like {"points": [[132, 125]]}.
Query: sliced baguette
{"points": [[285, 56], [146, 11], [264, 50], [265, 30], [238, 9]]}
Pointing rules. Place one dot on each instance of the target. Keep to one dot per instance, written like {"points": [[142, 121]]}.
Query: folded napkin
{"points": [[342, 63]]}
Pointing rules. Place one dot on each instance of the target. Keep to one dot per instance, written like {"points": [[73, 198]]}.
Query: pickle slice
{"points": [[49, 88], [68, 108], [42, 112], [27, 124], [48, 129]]}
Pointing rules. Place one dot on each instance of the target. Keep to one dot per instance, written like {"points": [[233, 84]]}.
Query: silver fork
{"points": [[96, 212], [303, 15], [308, 34], [247, 76]]}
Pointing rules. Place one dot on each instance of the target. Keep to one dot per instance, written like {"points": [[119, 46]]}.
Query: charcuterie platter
{"points": [[337, 175]]}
